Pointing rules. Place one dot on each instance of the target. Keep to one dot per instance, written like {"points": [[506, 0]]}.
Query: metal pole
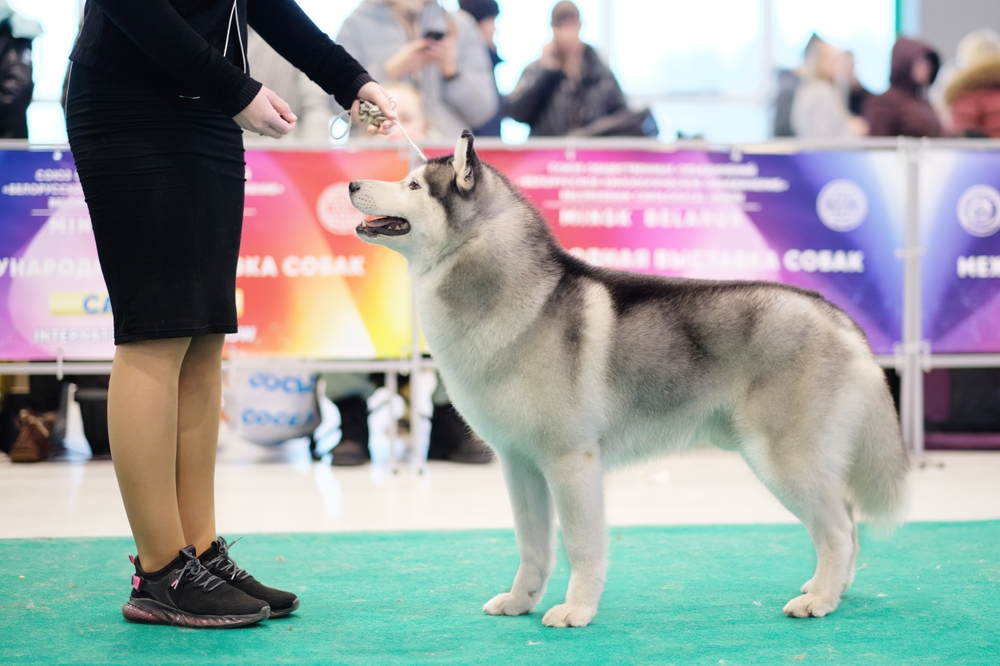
{"points": [[417, 434], [912, 381], [392, 385]]}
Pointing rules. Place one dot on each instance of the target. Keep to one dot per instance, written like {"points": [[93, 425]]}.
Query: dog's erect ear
{"points": [[465, 162]]}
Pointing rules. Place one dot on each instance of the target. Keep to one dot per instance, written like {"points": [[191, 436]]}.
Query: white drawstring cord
{"points": [[234, 13]]}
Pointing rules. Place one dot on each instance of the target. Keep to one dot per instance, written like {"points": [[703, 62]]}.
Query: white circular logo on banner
{"points": [[842, 205], [335, 211], [979, 210]]}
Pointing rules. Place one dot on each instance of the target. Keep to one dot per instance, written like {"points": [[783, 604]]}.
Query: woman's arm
{"points": [[284, 26], [163, 35]]}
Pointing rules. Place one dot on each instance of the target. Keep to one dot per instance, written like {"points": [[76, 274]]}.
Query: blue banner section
{"points": [[837, 229], [960, 276]]}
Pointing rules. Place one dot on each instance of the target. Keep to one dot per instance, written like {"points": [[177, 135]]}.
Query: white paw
{"points": [[508, 603], [566, 615], [811, 605], [806, 586]]}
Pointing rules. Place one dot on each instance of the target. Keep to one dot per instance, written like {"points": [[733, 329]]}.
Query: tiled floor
{"points": [[281, 490]]}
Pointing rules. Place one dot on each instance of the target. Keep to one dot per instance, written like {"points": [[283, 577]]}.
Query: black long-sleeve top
{"points": [[177, 46]]}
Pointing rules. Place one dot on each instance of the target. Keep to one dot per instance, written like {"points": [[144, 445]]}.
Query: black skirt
{"points": [[163, 177]]}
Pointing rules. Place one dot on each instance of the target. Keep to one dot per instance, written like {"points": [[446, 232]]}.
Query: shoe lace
{"points": [[196, 572], [225, 564]]}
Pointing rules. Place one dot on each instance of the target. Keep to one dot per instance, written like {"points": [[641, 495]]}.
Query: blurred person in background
{"points": [[16, 86], [485, 12], [410, 114], [568, 88], [973, 93], [819, 110], [903, 110], [857, 94], [440, 54], [788, 82], [975, 46]]}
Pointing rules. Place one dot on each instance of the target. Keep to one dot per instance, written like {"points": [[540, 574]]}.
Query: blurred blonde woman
{"points": [[820, 108]]}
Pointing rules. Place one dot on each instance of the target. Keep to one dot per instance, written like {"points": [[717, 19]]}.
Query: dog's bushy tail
{"points": [[877, 476]]}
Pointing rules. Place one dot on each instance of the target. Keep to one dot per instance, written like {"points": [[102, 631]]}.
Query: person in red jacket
{"points": [[903, 110], [158, 93]]}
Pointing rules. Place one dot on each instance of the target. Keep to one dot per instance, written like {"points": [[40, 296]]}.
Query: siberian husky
{"points": [[566, 369]]}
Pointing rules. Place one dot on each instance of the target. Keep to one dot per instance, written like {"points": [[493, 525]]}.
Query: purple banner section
{"points": [[960, 270], [829, 221], [52, 294]]}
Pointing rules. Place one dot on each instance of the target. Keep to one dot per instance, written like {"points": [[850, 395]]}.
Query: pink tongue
{"points": [[379, 221]]}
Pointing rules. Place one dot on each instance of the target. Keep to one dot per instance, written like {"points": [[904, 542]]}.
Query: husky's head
{"points": [[435, 209]]}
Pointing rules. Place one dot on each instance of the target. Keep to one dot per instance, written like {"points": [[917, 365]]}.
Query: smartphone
{"points": [[435, 35]]}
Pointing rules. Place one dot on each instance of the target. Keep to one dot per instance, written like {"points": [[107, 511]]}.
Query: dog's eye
{"points": [[414, 185]]}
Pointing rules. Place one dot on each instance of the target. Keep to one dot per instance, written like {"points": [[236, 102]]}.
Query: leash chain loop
{"points": [[372, 115]]}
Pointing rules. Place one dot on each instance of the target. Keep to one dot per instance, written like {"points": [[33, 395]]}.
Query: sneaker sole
{"points": [[149, 611], [285, 611]]}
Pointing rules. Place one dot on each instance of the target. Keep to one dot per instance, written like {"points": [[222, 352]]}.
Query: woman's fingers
{"points": [[282, 107], [374, 93], [267, 115]]}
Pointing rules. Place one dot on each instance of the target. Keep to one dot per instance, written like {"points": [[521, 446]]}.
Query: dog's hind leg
{"points": [[576, 480], [832, 530], [818, 499], [534, 529]]}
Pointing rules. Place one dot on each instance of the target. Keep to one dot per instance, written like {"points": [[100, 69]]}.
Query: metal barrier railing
{"points": [[911, 356]]}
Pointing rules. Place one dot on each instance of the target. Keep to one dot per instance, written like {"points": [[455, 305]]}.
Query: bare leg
{"points": [[576, 480], [142, 426], [199, 400], [533, 526]]}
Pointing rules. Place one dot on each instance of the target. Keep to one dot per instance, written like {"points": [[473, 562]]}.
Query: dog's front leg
{"points": [[576, 480], [533, 527]]}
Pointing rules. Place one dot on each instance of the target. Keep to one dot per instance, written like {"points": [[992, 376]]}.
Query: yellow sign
{"points": [[76, 303]]}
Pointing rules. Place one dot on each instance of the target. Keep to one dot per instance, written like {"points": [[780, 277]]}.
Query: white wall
{"points": [[944, 22]]}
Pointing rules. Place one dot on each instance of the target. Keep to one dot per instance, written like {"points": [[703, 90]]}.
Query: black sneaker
{"points": [[216, 559], [184, 593]]}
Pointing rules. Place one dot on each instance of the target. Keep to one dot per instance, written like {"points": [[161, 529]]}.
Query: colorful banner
{"points": [[306, 286], [829, 221], [960, 271]]}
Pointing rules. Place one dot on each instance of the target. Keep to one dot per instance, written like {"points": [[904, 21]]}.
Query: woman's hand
{"points": [[373, 92], [411, 57], [267, 115]]}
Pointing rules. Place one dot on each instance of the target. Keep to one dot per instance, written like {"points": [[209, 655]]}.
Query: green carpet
{"points": [[682, 595]]}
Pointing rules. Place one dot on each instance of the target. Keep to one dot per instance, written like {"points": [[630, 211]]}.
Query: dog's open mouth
{"points": [[384, 226]]}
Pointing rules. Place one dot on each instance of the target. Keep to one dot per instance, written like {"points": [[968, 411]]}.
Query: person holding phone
{"points": [[158, 93], [440, 54]]}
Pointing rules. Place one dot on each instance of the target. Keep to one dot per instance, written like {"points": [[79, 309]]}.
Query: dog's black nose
{"points": [[354, 186]]}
